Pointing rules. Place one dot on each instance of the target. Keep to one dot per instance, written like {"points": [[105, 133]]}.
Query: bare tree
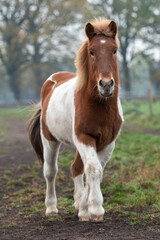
{"points": [[30, 30], [13, 41]]}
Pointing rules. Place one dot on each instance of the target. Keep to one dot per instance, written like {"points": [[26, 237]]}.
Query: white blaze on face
{"points": [[102, 41]]}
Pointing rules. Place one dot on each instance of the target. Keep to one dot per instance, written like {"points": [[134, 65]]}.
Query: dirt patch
{"points": [[142, 129], [16, 158], [72, 229]]}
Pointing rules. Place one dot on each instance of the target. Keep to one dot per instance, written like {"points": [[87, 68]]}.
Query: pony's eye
{"points": [[115, 51], [92, 53]]}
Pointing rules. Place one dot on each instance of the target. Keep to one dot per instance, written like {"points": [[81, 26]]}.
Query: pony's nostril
{"points": [[111, 83], [101, 83]]}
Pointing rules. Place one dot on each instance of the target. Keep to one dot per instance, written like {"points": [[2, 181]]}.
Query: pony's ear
{"points": [[89, 29], [113, 28]]}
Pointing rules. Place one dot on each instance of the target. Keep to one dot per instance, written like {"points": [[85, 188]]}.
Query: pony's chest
{"points": [[108, 133], [103, 125]]}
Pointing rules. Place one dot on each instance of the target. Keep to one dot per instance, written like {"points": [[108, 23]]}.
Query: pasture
{"points": [[130, 185]]}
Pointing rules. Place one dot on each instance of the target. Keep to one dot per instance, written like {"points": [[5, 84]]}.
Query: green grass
{"points": [[17, 113], [137, 113], [65, 159], [7, 114], [131, 179]]}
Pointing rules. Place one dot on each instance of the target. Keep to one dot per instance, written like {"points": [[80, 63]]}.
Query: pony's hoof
{"points": [[84, 219], [97, 218], [51, 212], [83, 215]]}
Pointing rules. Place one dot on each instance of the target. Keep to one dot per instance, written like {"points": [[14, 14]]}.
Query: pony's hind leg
{"points": [[50, 169], [78, 179]]}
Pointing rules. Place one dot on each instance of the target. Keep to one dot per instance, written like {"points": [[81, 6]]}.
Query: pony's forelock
{"points": [[101, 27]]}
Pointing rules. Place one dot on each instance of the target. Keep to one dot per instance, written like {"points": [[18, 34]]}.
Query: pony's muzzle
{"points": [[106, 89]]}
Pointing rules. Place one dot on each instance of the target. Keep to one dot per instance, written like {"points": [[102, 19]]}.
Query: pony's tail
{"points": [[34, 132]]}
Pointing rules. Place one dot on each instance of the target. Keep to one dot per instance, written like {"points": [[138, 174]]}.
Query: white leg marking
{"points": [[78, 190], [92, 194], [50, 169], [105, 155], [83, 213]]}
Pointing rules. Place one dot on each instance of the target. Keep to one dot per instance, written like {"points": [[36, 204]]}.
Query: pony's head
{"points": [[97, 58]]}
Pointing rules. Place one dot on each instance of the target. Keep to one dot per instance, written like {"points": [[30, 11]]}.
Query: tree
{"points": [[46, 22], [31, 31], [12, 53], [151, 37]]}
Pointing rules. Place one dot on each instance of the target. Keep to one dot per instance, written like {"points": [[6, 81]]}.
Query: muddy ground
{"points": [[16, 151]]}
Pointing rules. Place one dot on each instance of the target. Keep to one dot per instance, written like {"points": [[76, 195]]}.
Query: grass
{"points": [[137, 113], [130, 185], [9, 114], [17, 113], [131, 179]]}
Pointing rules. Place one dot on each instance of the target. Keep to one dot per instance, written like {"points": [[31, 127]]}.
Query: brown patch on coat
{"points": [[77, 167], [46, 92]]}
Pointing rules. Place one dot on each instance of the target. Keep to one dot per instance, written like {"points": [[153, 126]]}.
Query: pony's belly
{"points": [[61, 129], [59, 113]]}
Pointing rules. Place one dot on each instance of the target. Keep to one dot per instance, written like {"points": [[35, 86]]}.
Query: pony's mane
{"points": [[81, 63], [100, 27]]}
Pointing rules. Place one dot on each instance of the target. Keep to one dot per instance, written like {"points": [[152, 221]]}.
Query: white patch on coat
{"points": [[102, 41], [59, 114], [78, 190], [120, 109], [50, 78]]}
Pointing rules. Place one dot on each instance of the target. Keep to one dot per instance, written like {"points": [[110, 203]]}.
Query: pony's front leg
{"points": [[92, 195], [105, 155], [50, 169]]}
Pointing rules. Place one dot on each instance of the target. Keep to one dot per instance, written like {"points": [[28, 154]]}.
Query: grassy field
{"points": [[138, 113], [131, 179]]}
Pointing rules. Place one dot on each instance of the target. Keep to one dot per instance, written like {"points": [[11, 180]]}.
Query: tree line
{"points": [[37, 35]]}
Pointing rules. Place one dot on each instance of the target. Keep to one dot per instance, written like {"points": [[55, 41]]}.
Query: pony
{"points": [[82, 109]]}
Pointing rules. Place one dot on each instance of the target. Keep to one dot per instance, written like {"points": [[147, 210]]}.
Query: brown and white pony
{"points": [[83, 110]]}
